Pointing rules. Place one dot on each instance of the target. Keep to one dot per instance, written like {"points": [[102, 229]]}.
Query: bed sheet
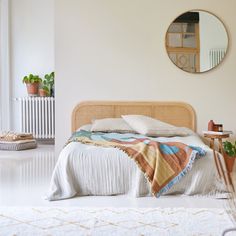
{"points": [[90, 170]]}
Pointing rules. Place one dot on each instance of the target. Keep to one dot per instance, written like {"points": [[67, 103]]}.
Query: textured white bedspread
{"points": [[89, 170]]}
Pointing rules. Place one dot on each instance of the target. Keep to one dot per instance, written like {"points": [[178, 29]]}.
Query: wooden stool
{"points": [[217, 158]]}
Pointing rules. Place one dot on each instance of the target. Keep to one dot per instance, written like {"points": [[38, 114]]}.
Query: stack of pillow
{"points": [[12, 141], [137, 124]]}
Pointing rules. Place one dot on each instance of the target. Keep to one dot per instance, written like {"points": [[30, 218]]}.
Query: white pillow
{"points": [[86, 127], [117, 125], [151, 127]]}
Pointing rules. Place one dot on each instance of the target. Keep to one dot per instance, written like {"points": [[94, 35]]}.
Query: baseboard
{"points": [[46, 141]]}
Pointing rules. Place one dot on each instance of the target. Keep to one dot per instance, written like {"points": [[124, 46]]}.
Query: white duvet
{"points": [[90, 170]]}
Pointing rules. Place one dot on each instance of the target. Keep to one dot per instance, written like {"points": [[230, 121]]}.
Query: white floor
{"points": [[25, 176]]}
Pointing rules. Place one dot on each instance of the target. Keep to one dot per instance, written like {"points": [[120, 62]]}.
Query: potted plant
{"points": [[44, 90], [229, 154], [32, 84], [47, 85]]}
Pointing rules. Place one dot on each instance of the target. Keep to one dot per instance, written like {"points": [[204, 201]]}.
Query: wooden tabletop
{"points": [[216, 136]]}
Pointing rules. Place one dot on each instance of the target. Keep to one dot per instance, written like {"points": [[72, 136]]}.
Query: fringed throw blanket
{"points": [[163, 164]]}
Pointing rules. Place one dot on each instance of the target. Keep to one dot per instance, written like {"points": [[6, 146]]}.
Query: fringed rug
{"points": [[73, 221]]}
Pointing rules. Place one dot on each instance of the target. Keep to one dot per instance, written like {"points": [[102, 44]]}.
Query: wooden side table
{"points": [[218, 162]]}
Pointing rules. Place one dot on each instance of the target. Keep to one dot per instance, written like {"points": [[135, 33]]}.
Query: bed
{"points": [[93, 170]]}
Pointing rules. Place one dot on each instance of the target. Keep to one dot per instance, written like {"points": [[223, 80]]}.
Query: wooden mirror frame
{"points": [[220, 54]]}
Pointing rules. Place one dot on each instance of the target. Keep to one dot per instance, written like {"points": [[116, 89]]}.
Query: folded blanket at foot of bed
{"points": [[13, 136], [163, 164]]}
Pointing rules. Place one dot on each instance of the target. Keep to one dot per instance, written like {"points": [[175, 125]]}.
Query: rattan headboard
{"points": [[175, 113]]}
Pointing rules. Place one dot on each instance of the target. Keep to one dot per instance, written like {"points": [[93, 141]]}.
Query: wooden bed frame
{"points": [[175, 113]]}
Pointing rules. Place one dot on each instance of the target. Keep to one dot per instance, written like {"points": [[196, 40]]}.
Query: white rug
{"points": [[76, 221]]}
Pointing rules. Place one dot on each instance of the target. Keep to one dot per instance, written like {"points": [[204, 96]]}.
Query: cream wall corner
{"points": [[114, 50]]}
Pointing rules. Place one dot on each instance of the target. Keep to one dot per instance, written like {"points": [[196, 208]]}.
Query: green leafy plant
{"points": [[32, 79], [49, 79], [48, 83], [230, 148]]}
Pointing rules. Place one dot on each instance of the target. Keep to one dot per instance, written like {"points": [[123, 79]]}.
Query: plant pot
{"points": [[32, 88], [43, 93], [229, 162]]}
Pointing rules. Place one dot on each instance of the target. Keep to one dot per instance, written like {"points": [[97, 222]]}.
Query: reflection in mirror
{"points": [[196, 41]]}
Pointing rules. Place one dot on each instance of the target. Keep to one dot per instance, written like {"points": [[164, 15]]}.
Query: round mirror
{"points": [[196, 41]]}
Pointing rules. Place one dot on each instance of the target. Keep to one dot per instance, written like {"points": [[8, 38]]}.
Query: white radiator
{"points": [[38, 116], [216, 56]]}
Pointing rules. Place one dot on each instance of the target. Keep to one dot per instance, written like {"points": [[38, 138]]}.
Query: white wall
{"points": [[32, 44], [115, 50], [4, 66], [212, 36]]}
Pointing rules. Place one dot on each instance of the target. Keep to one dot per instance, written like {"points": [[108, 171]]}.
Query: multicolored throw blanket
{"points": [[163, 164]]}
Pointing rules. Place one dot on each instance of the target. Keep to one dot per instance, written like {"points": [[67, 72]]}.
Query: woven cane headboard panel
{"points": [[175, 113]]}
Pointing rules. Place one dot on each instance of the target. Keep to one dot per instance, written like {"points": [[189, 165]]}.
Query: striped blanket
{"points": [[163, 164]]}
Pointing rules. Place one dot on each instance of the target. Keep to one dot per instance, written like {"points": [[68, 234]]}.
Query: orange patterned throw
{"points": [[163, 164]]}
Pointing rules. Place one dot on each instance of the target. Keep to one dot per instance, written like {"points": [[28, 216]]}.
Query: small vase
{"points": [[210, 125]]}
